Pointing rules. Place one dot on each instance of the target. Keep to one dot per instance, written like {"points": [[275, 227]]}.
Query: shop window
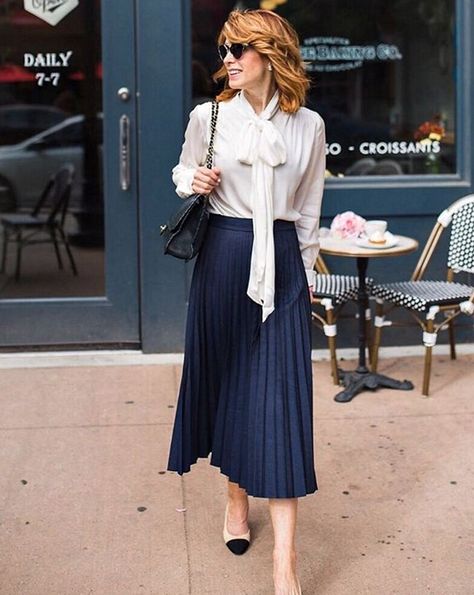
{"points": [[50, 116], [383, 78]]}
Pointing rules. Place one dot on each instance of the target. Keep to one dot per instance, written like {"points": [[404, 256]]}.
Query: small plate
{"points": [[390, 243]]}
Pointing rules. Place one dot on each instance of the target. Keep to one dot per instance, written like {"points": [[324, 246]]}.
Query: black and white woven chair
{"points": [[332, 293], [428, 298]]}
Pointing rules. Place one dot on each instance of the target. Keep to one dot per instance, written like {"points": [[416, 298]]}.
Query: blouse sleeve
{"points": [[193, 153], [308, 200]]}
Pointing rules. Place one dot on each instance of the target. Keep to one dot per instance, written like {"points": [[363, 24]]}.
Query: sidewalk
{"points": [[87, 506]]}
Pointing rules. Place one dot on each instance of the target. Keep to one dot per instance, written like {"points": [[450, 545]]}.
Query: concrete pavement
{"points": [[88, 507]]}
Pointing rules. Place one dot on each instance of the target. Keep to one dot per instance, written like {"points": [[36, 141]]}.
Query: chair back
{"points": [[44, 198], [386, 167], [57, 194], [320, 266], [461, 243], [361, 167], [460, 215]]}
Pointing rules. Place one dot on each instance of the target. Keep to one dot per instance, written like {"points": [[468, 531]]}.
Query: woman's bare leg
{"points": [[237, 515], [283, 512]]}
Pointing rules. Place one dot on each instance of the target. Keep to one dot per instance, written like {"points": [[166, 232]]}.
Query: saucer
{"points": [[390, 243]]}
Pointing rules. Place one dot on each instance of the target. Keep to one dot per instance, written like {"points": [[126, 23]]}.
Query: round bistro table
{"points": [[357, 380]]}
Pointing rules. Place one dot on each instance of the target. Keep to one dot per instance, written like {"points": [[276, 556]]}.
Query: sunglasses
{"points": [[236, 49]]}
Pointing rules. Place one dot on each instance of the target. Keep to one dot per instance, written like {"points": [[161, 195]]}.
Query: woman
{"points": [[246, 387]]}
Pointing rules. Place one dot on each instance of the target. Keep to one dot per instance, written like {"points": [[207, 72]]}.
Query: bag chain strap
{"points": [[210, 151]]}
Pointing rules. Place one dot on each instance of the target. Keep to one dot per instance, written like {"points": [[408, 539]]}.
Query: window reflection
{"points": [[51, 119], [382, 73]]}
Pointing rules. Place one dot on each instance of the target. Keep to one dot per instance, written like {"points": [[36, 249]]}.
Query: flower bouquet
{"points": [[428, 133], [347, 225]]}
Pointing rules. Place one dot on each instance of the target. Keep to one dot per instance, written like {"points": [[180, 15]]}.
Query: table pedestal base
{"points": [[356, 381]]}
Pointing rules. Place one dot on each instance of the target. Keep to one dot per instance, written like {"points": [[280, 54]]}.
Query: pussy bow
{"points": [[261, 145]]}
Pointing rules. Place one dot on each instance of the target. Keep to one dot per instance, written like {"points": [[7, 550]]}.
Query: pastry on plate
{"points": [[378, 238]]}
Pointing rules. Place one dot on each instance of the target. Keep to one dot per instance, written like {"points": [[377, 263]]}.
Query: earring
{"points": [[270, 67]]}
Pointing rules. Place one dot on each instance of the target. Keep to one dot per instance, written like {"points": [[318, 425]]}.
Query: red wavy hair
{"points": [[271, 36]]}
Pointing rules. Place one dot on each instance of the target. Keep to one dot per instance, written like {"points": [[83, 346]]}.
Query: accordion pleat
{"points": [[246, 387]]}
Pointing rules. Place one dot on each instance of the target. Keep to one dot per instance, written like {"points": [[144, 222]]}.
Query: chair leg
{"points": [[429, 342], [68, 250], [452, 341], [52, 233], [331, 335], [377, 335], [19, 248]]}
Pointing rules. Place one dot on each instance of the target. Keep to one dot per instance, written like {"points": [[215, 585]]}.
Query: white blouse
{"points": [[272, 167]]}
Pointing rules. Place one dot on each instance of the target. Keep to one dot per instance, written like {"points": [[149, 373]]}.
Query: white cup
{"points": [[375, 225]]}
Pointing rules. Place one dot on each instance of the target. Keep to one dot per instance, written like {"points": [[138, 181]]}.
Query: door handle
{"points": [[124, 152]]}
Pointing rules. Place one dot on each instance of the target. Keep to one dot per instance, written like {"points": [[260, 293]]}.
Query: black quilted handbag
{"points": [[184, 233]]}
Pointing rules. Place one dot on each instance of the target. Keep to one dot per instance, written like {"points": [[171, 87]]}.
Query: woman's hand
{"points": [[311, 296], [205, 179]]}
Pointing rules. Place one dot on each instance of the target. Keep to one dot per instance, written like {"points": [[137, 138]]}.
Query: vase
{"points": [[432, 164]]}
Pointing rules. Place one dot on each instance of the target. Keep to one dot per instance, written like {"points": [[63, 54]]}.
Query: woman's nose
{"points": [[229, 59]]}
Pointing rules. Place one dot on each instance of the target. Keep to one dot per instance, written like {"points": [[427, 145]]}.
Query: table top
{"points": [[348, 247]]}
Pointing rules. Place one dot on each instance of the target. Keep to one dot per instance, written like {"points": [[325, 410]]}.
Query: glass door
{"points": [[68, 200]]}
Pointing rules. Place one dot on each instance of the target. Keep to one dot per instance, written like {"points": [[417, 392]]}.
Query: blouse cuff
{"points": [[184, 187], [311, 277]]}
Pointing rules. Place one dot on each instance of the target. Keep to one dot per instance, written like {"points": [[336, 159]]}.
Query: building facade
{"points": [[107, 86]]}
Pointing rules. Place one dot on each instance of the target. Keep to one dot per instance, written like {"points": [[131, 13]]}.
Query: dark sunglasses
{"points": [[236, 49]]}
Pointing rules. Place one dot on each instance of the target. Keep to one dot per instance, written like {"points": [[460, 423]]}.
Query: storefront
{"points": [[106, 86]]}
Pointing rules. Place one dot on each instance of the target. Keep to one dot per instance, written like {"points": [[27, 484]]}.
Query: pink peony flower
{"points": [[347, 225]]}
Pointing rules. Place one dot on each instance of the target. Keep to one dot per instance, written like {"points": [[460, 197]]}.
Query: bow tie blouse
{"points": [[272, 167]]}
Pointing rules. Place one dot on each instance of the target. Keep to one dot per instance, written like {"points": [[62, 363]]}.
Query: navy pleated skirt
{"points": [[246, 387]]}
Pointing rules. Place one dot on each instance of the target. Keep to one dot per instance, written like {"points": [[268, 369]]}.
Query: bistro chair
{"points": [[45, 223], [332, 293], [361, 167], [386, 167], [424, 300]]}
